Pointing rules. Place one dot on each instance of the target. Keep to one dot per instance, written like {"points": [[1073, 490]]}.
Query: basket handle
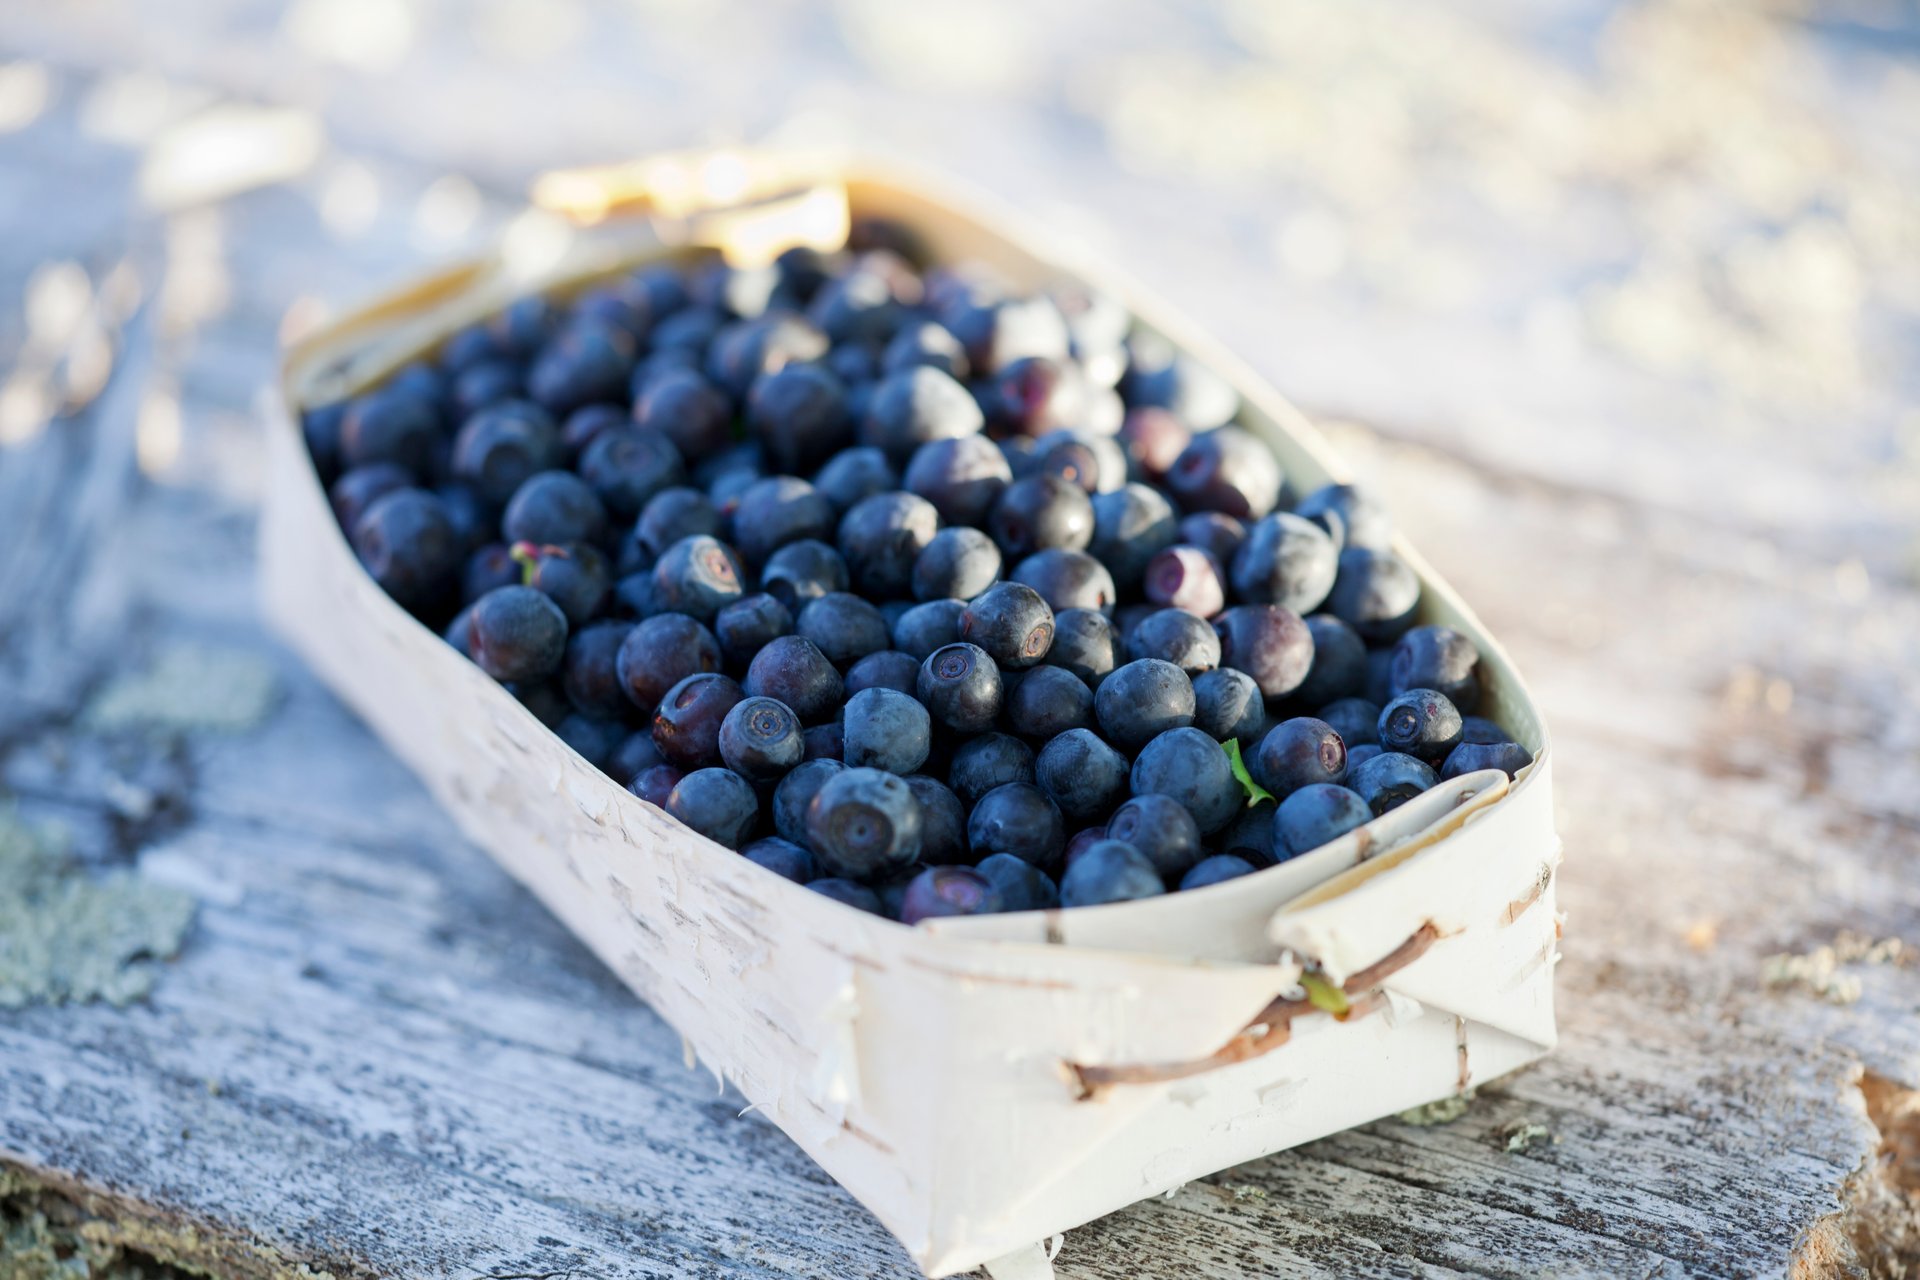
{"points": [[1267, 1031]]}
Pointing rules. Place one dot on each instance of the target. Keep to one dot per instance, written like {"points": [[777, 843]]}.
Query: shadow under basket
{"points": [[980, 1083]]}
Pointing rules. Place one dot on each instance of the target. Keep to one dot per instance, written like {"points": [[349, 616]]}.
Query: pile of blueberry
{"points": [[934, 597]]}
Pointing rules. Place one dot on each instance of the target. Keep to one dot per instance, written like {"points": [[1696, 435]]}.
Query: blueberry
{"points": [[459, 632], [999, 333], [925, 342], [792, 670], [1287, 561], [1359, 753], [1019, 819], [320, 428], [1376, 594], [923, 628], [502, 446], [960, 685], [1153, 439], [1111, 871], [1228, 470], [804, 571], [1227, 704], [517, 634], [1185, 577], [619, 305], [857, 896], [854, 474], [1190, 767], [863, 823], [782, 857], [576, 576], [914, 406], [1141, 700], [1437, 658], [585, 425], [1312, 816], [886, 729], [795, 792], [686, 725], [589, 674], [469, 347], [991, 760], [361, 487], [587, 362], [1021, 885], [1041, 511], [1162, 829], [553, 507], [1081, 841], [1176, 636], [1300, 752], [543, 698], [842, 626], [1270, 643], [655, 783], [949, 891], [659, 653], [1351, 514], [959, 563], [887, 669], [1158, 374], [1011, 622], [1420, 722], [943, 821], [673, 514], [759, 738], [626, 467], [634, 753], [523, 326], [593, 740], [717, 803], [1356, 720], [407, 544], [751, 349], [799, 415], [472, 519], [1068, 580], [1214, 870], [1339, 667], [1480, 729], [393, 424], [881, 537], [1218, 535], [1085, 643], [1036, 394], [963, 477], [697, 576], [1096, 463], [1047, 702], [686, 409], [1250, 836], [689, 329], [1389, 779], [1510, 757], [748, 625], [823, 741], [1131, 526]]}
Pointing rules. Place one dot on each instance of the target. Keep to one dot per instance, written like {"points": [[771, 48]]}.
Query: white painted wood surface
{"points": [[375, 1056]]}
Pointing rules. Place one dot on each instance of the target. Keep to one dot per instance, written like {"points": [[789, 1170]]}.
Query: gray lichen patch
{"points": [[1441, 1111], [68, 936], [1819, 972], [189, 688]]}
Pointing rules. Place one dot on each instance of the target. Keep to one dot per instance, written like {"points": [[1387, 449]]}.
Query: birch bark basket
{"points": [[979, 1084]]}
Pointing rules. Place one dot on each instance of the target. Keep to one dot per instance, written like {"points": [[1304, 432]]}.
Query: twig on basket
{"points": [[1268, 1030]]}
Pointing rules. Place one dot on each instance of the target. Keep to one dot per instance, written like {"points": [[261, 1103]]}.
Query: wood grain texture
{"points": [[378, 1057]]}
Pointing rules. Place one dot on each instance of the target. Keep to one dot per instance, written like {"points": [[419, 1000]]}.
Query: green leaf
{"points": [[1255, 792], [527, 556], [1323, 995]]}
